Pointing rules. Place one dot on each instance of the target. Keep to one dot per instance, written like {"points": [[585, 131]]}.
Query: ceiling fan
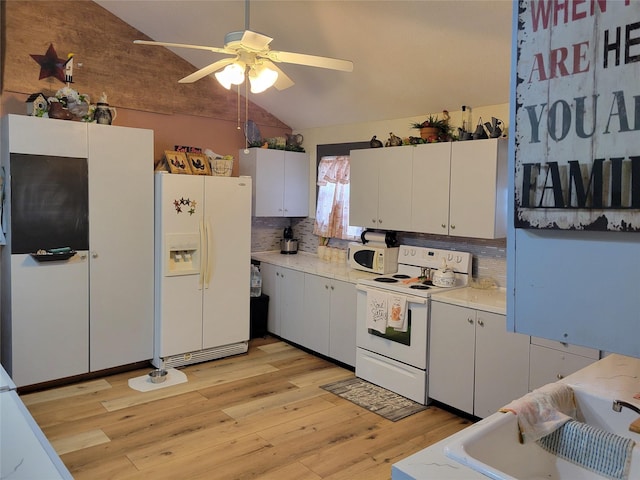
{"points": [[252, 56]]}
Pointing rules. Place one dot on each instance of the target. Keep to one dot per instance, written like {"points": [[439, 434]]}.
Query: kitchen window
{"points": [[332, 206]]}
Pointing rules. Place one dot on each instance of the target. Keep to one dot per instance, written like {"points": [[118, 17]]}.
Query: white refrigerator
{"points": [[202, 275]]}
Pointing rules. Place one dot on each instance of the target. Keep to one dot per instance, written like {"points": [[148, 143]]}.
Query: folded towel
{"points": [[543, 411], [397, 312], [377, 310], [604, 453]]}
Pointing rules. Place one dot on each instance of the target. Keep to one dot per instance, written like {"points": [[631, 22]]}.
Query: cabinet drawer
{"points": [[565, 347], [547, 365]]}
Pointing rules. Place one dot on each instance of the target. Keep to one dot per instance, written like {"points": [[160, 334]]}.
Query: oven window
{"points": [[395, 336]]}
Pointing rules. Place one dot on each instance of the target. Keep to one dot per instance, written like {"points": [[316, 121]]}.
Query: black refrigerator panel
{"points": [[49, 203]]}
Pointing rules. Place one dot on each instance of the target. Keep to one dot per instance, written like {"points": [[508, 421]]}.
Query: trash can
{"points": [[259, 310]]}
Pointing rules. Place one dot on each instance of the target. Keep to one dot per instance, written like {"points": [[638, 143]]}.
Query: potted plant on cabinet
{"points": [[434, 129]]}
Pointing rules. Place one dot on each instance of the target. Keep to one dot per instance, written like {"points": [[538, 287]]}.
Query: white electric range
{"points": [[398, 360]]}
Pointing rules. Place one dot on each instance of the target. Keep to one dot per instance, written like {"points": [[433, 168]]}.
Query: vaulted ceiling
{"points": [[410, 57]]}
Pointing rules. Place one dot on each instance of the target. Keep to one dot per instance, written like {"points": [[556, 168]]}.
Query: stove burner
{"points": [[401, 275], [386, 280], [419, 286]]}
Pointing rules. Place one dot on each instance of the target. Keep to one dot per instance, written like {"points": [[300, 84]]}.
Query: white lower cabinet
{"points": [[475, 364], [330, 318], [315, 312], [285, 288], [550, 361]]}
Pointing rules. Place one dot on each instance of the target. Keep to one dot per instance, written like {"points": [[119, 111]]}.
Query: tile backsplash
{"points": [[489, 256]]}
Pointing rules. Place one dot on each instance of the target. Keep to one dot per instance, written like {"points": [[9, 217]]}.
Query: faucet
{"points": [[618, 404]]}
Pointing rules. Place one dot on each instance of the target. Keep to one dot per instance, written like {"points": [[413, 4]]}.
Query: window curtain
{"points": [[332, 210]]}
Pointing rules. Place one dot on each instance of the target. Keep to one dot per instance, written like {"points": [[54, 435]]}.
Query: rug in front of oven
{"points": [[376, 399]]}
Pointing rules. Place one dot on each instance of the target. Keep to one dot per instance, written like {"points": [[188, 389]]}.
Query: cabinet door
{"points": [[270, 277], [317, 302], [548, 365], [269, 183], [291, 289], [296, 184], [342, 322], [50, 324], [430, 190], [394, 188], [121, 245], [502, 364], [478, 189], [451, 355], [363, 188], [46, 136]]}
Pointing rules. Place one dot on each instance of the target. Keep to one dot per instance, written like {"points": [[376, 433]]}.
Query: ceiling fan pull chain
{"points": [[246, 110], [246, 14]]}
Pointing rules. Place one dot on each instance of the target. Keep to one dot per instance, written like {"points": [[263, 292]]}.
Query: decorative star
{"points": [[51, 65]]}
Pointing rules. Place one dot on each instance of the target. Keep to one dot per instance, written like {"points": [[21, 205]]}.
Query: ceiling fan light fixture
{"points": [[261, 78], [233, 74]]}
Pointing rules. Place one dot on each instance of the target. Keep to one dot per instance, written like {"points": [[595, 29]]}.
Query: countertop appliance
{"points": [[398, 360], [203, 249], [288, 244], [373, 257]]}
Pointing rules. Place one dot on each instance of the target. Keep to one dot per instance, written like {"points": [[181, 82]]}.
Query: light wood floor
{"points": [[255, 416]]}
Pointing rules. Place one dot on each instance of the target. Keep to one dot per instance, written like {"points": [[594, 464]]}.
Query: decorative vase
{"points": [[104, 114], [429, 134]]}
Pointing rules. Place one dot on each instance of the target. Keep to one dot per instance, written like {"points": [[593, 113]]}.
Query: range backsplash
{"points": [[489, 256]]}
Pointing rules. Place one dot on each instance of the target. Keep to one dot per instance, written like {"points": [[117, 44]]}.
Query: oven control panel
{"points": [[460, 262]]}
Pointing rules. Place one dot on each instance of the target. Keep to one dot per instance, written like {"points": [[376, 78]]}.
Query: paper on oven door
{"points": [[377, 310], [397, 317]]}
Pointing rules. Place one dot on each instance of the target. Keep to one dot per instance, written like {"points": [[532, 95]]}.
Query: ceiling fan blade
{"points": [[283, 81], [209, 69], [255, 41], [310, 60], [183, 45]]}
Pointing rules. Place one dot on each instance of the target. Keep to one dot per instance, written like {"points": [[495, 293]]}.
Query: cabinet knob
{"points": [[94, 254], [444, 225], [470, 320], [453, 227], [379, 221], [332, 288], [373, 220], [326, 287], [481, 323], [559, 376]]}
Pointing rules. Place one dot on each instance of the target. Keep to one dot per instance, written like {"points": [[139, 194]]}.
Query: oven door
{"points": [[407, 347]]}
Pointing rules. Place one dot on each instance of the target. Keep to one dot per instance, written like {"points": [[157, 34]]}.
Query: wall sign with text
{"points": [[577, 154]]}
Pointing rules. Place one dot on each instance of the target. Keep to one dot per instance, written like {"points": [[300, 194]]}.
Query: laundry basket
{"points": [[221, 167]]}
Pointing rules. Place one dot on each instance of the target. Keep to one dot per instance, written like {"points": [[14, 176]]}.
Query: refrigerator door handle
{"points": [[207, 267], [203, 254]]}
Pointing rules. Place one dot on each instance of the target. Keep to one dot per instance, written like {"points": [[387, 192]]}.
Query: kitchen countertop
{"points": [[310, 263], [615, 376], [25, 451], [492, 300]]}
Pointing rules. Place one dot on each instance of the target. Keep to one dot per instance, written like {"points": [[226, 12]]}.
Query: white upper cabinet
{"points": [[452, 188], [380, 188], [430, 188], [280, 181], [478, 189]]}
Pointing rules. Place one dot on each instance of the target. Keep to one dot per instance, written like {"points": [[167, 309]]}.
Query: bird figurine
{"points": [[375, 143], [394, 141]]}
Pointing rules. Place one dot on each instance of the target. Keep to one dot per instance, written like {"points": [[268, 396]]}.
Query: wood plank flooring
{"points": [[255, 416]]}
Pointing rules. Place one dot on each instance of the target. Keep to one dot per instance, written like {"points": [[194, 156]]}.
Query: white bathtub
{"points": [[491, 446]]}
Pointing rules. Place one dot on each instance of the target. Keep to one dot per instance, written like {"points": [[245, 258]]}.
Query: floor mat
{"points": [[376, 399], [144, 384]]}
